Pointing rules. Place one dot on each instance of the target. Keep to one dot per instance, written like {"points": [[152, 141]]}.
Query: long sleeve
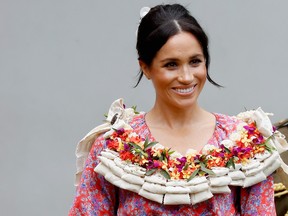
{"points": [[94, 195], [258, 199]]}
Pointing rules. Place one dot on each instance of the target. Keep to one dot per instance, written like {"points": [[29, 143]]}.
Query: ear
{"points": [[144, 67]]}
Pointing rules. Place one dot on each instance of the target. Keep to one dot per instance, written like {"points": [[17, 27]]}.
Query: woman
{"points": [[173, 54]]}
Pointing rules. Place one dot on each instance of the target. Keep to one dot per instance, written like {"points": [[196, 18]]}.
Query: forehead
{"points": [[183, 44]]}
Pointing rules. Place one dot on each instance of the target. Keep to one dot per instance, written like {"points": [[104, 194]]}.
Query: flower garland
{"points": [[242, 146], [134, 163]]}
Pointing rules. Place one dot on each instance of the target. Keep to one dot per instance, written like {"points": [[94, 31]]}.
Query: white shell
{"points": [[254, 171], [101, 169], [280, 142], [251, 165], [220, 189], [151, 196], [177, 199], [197, 180], [201, 196], [263, 122], [220, 181], [174, 183], [237, 182], [270, 169], [156, 178], [154, 188], [137, 170], [120, 163], [236, 175], [107, 162], [117, 171], [108, 155], [251, 180], [263, 156], [219, 171], [133, 179], [199, 188], [177, 190]]}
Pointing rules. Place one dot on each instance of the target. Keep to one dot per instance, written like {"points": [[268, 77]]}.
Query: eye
{"points": [[196, 62], [170, 65]]}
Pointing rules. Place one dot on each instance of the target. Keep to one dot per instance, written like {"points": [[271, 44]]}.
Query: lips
{"points": [[186, 90]]}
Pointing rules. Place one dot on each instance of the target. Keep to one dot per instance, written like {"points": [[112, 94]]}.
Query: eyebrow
{"points": [[175, 59]]}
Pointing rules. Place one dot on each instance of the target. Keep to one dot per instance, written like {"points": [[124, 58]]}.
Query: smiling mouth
{"points": [[185, 90]]}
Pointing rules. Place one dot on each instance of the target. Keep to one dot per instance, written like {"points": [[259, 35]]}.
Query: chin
{"points": [[185, 103]]}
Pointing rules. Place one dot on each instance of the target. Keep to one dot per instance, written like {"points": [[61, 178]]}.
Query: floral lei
{"points": [[134, 163], [242, 145]]}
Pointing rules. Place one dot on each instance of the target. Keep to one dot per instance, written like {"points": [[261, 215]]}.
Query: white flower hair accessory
{"points": [[143, 12]]}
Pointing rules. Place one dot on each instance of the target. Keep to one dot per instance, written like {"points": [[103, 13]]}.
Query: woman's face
{"points": [[178, 71]]}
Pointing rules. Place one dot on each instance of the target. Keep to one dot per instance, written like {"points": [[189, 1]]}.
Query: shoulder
{"points": [[226, 121], [138, 121], [225, 125], [139, 125]]}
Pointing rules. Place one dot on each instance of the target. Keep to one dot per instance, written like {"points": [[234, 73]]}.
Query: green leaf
{"points": [[186, 166], [146, 142], [165, 173], [227, 150], [150, 172], [149, 145], [230, 163], [164, 152], [269, 147], [105, 115], [193, 175], [135, 145], [139, 152], [134, 108], [203, 168], [201, 172], [165, 160]]}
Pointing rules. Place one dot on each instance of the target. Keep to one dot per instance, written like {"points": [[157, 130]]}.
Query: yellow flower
{"points": [[121, 146], [186, 174], [143, 161], [245, 161], [164, 165], [190, 158], [175, 175]]}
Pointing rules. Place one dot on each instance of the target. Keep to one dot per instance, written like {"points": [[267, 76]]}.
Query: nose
{"points": [[185, 76]]}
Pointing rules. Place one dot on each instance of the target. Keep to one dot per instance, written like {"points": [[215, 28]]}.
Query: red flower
{"points": [[126, 155], [112, 144]]}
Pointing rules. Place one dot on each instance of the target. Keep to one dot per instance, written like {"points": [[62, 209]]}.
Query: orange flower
{"points": [[125, 155], [135, 139], [216, 162]]}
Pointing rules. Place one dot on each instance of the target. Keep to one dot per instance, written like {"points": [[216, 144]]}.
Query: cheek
{"points": [[204, 76], [203, 73], [201, 76], [162, 78]]}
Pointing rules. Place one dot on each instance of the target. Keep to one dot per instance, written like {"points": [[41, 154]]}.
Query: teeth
{"points": [[184, 90]]}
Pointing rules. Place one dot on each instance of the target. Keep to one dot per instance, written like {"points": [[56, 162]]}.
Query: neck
{"points": [[167, 116]]}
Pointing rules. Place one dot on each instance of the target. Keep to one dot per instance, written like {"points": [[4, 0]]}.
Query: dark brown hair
{"points": [[163, 22]]}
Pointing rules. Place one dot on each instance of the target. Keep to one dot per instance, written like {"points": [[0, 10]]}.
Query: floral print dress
{"points": [[96, 196]]}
